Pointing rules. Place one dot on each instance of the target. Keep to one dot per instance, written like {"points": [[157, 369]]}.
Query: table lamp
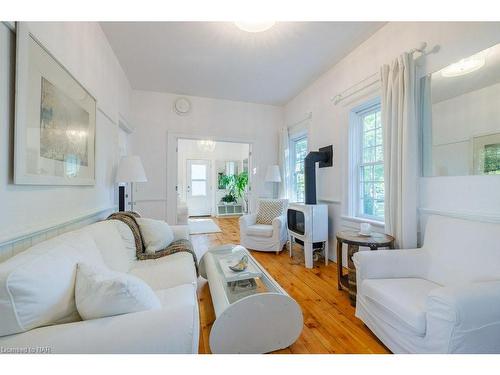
{"points": [[131, 170]]}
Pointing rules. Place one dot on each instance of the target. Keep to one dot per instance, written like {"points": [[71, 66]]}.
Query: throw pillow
{"points": [[269, 209], [100, 292], [156, 234]]}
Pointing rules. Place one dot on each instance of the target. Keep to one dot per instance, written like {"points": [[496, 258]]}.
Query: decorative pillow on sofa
{"points": [[37, 286], [269, 209], [100, 292], [156, 234]]}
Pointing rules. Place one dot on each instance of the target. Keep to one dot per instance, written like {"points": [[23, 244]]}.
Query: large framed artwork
{"points": [[55, 119]]}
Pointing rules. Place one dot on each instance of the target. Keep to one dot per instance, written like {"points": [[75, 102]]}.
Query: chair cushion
{"points": [[100, 292], [400, 302], [260, 230], [166, 272], [269, 209]]}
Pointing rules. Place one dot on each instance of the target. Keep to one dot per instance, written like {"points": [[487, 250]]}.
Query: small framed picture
{"points": [[55, 119]]}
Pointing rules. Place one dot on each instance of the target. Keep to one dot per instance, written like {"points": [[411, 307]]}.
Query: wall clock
{"points": [[182, 106]]}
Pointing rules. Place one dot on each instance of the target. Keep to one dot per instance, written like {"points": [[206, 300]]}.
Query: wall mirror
{"points": [[461, 117]]}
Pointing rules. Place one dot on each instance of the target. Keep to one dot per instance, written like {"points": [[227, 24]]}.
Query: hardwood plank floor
{"points": [[329, 322]]}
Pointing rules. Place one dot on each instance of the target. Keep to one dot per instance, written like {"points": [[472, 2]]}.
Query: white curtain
{"points": [[284, 162], [401, 150]]}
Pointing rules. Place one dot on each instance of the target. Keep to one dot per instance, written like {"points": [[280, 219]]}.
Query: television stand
{"points": [[309, 249]]}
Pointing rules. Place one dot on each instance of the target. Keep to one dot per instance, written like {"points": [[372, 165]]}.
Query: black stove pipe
{"points": [[310, 173]]}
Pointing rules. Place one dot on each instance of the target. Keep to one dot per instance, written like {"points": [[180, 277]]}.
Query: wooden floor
{"points": [[329, 322]]}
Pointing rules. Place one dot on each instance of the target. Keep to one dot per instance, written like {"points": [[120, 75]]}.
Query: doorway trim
{"points": [[172, 162]]}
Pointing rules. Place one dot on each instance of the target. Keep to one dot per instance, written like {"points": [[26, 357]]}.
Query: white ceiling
{"points": [[218, 60], [444, 88]]}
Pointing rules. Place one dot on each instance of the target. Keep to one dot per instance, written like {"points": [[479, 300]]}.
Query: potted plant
{"points": [[235, 186], [228, 198]]}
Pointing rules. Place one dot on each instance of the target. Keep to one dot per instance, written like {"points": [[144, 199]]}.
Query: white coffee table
{"points": [[258, 320]]}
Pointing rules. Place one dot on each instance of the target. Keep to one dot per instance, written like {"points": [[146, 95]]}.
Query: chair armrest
{"points": [[468, 307], [279, 225], [386, 264], [247, 220], [181, 232]]}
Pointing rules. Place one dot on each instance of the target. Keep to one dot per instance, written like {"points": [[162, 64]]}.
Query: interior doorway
{"points": [[213, 178]]}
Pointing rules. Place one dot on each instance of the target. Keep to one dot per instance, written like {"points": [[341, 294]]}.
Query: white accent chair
{"points": [[442, 298], [264, 237]]}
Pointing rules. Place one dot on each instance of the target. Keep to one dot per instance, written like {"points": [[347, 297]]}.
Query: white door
{"points": [[198, 187]]}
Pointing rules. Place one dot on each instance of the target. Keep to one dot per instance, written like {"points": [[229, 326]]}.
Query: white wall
{"points": [[330, 122], [153, 116], [83, 49], [223, 151]]}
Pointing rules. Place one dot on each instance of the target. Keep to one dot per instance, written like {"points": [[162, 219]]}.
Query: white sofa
{"points": [[442, 298], [264, 237], [37, 289]]}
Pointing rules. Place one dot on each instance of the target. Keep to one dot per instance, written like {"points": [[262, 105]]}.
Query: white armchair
{"points": [[442, 298], [264, 237]]}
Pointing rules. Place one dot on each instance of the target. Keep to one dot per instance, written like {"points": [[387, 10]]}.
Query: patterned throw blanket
{"points": [[128, 217]]}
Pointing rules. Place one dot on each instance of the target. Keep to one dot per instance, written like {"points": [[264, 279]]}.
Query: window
{"points": [[492, 159], [198, 180], [367, 176], [298, 152]]}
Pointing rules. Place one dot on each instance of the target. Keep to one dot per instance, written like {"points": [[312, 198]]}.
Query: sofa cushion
{"points": [[100, 292], [116, 243], [156, 234], [37, 286], [269, 209], [400, 301], [166, 272], [260, 230]]}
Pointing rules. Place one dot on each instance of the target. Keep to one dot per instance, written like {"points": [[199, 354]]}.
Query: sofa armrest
{"points": [[386, 264], [181, 232], [164, 330], [247, 220], [469, 306]]}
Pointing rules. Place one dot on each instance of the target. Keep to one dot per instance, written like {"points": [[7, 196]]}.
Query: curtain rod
{"points": [[342, 96]]}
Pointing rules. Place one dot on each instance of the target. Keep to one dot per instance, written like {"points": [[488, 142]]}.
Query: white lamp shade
{"points": [[273, 173], [131, 170]]}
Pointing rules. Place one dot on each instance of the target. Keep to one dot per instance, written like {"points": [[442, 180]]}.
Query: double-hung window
{"points": [[367, 159], [298, 152]]}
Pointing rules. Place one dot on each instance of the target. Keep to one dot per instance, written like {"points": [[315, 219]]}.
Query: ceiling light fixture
{"points": [[464, 66], [206, 145], [255, 27]]}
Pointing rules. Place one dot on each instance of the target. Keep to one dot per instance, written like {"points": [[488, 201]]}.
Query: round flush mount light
{"points": [[255, 27], [182, 106], [464, 66]]}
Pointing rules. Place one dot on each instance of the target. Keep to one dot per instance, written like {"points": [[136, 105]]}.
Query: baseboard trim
{"points": [[474, 216]]}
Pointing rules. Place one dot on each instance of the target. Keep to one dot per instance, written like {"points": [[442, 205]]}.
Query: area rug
{"points": [[202, 226]]}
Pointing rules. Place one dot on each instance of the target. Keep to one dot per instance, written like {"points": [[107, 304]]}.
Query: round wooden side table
{"points": [[354, 240]]}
